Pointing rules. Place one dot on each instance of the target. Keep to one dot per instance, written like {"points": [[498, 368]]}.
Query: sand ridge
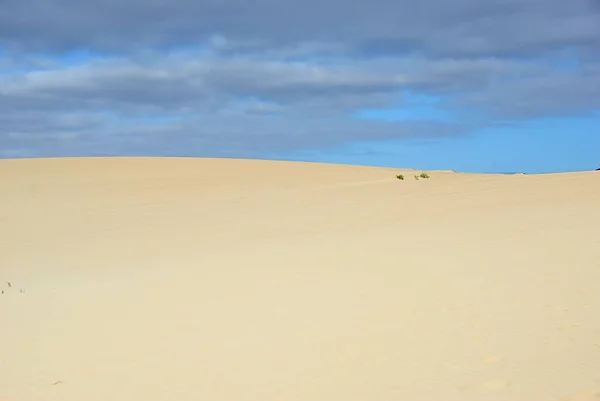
{"points": [[221, 279]]}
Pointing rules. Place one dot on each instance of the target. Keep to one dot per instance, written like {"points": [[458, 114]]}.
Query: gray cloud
{"points": [[129, 81], [186, 84], [541, 96], [436, 26], [215, 136], [231, 77]]}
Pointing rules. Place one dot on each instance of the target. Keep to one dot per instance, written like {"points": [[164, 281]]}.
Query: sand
{"points": [[234, 280]]}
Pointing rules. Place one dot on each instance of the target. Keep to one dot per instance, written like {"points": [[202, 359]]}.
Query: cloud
{"points": [[215, 136], [237, 78], [460, 26]]}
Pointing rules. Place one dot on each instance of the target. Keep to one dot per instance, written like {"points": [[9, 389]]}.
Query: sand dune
{"points": [[235, 280]]}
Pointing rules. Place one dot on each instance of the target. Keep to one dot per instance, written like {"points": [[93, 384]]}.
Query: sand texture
{"points": [[234, 280]]}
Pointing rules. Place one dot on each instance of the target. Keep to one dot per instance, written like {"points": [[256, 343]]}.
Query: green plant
{"points": [[400, 177], [424, 175]]}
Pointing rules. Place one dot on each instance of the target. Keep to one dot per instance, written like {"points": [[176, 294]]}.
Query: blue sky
{"points": [[538, 146], [494, 86]]}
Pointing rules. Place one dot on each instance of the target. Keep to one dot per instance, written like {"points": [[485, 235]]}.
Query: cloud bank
{"points": [[248, 79]]}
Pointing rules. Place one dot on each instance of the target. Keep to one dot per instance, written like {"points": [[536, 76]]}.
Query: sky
{"points": [[464, 85]]}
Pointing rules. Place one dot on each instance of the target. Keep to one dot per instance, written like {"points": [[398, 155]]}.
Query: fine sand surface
{"points": [[234, 280]]}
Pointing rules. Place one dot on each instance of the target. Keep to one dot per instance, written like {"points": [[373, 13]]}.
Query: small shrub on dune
{"points": [[400, 177], [424, 175]]}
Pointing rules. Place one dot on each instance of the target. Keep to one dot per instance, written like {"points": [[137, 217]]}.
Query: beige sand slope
{"points": [[232, 280]]}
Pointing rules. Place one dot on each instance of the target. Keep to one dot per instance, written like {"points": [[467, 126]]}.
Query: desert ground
{"points": [[181, 279]]}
